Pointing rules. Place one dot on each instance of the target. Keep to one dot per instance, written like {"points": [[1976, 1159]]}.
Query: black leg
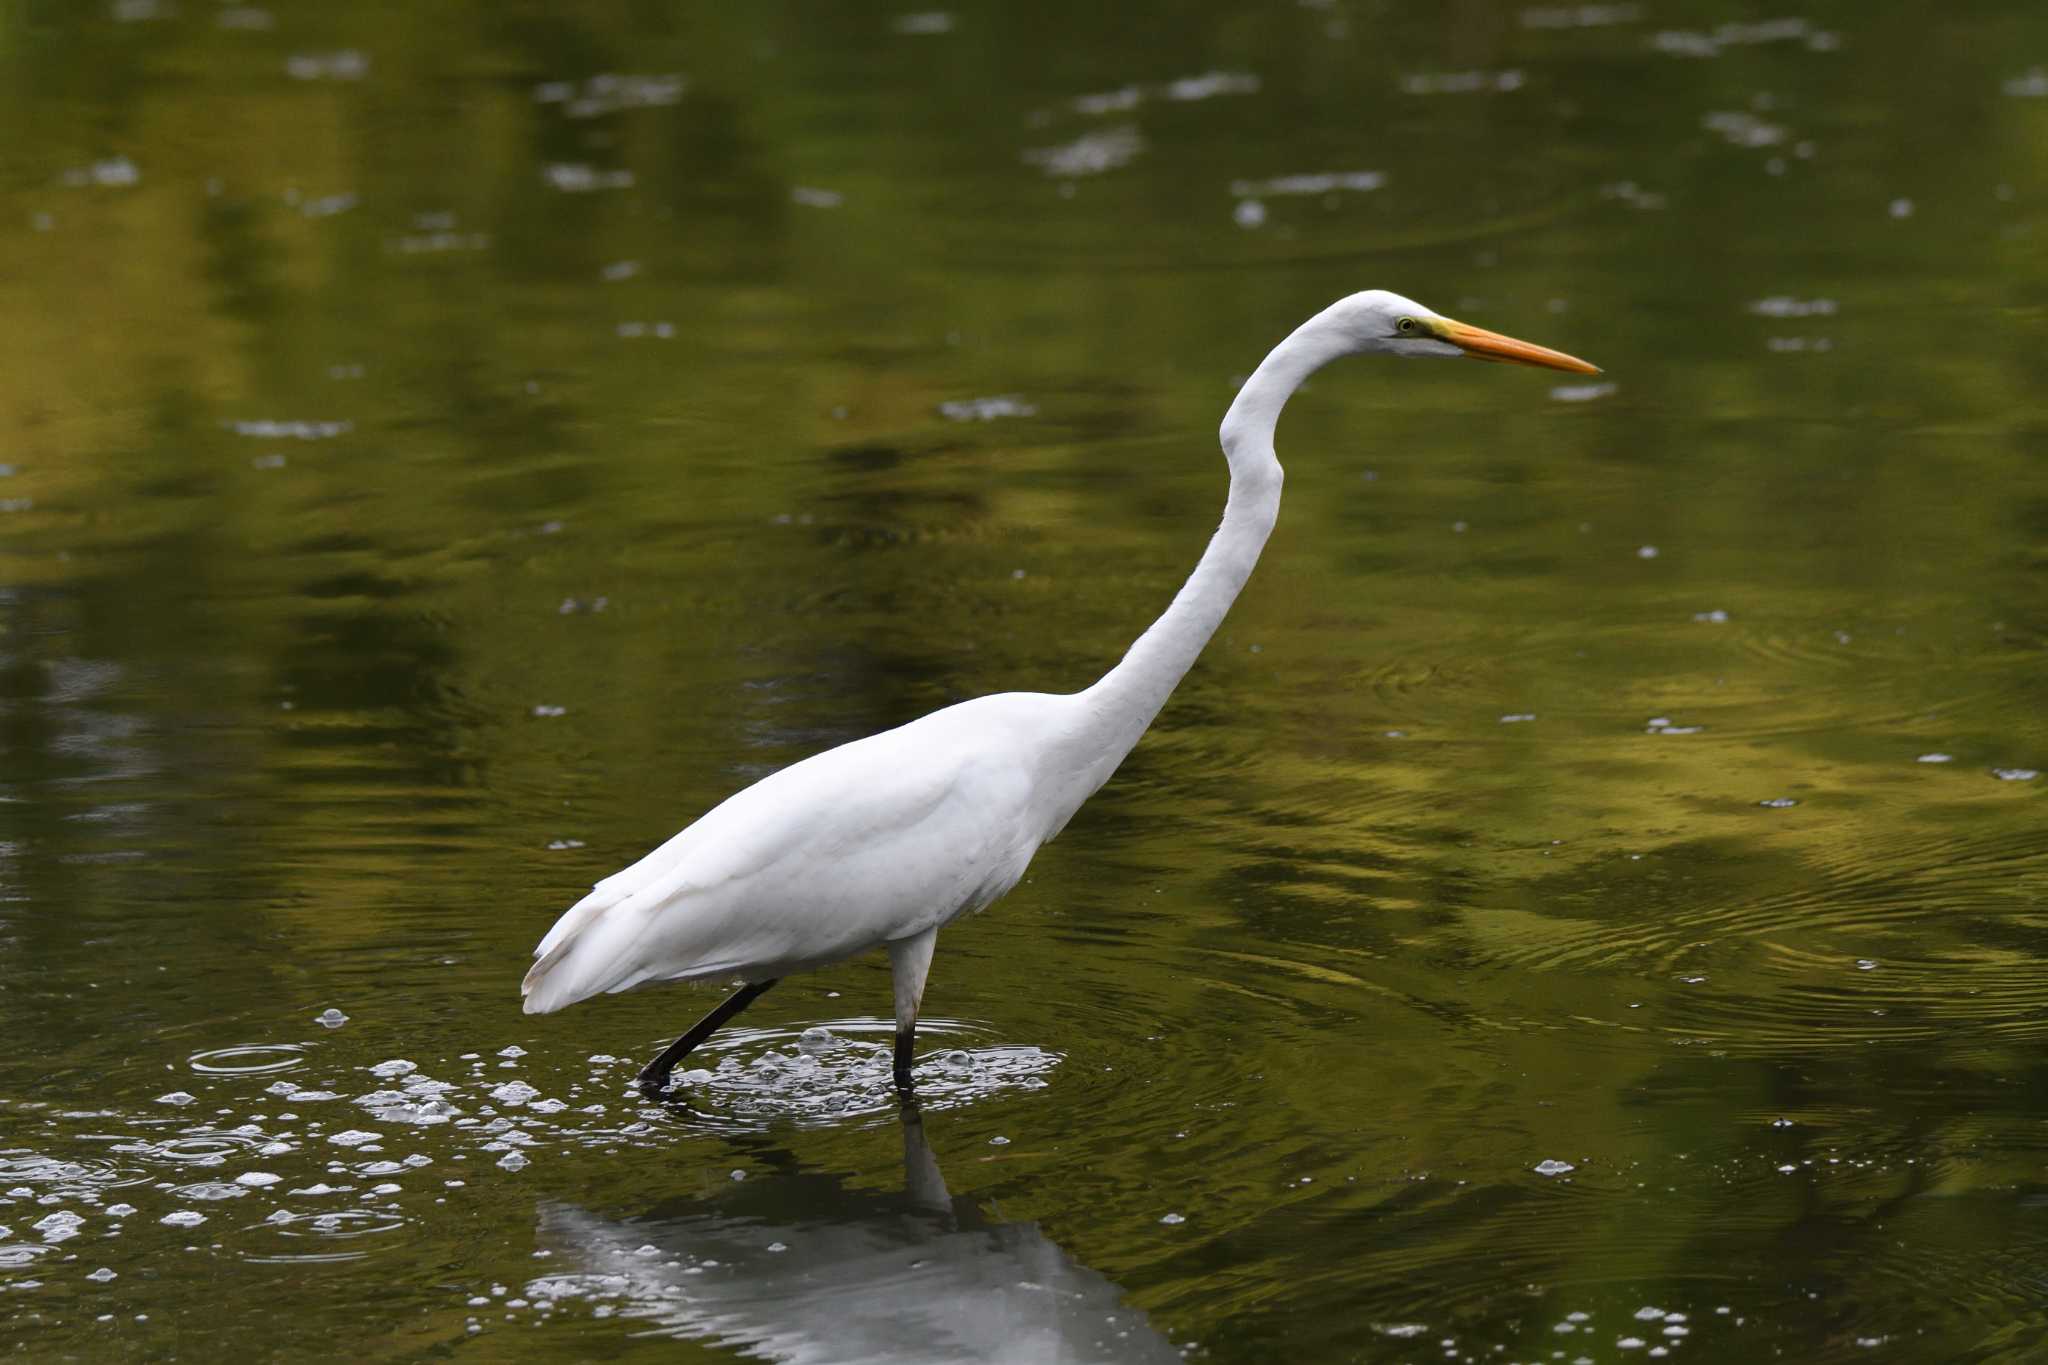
{"points": [[654, 1076], [903, 1057]]}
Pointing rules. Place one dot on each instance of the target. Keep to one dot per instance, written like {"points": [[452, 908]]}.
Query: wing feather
{"points": [[813, 863]]}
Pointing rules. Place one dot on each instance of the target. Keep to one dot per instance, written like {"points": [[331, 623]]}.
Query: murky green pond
{"points": [[1590, 903]]}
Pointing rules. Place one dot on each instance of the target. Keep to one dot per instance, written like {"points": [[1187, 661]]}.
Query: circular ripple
{"points": [[194, 1149], [23, 1167], [317, 1237], [21, 1255], [248, 1059], [841, 1071]]}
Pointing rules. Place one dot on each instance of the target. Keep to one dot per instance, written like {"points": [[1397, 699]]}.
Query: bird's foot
{"points": [[904, 1055]]}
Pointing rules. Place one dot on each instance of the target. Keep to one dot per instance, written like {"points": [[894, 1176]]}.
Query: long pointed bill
{"points": [[1480, 344]]}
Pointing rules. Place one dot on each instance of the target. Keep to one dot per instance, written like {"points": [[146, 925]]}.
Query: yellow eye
{"points": [[1406, 326]]}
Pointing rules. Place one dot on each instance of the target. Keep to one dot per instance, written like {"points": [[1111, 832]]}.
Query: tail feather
{"points": [[540, 996], [575, 961]]}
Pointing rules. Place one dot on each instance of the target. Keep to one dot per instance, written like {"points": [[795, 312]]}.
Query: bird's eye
{"points": [[1406, 326]]}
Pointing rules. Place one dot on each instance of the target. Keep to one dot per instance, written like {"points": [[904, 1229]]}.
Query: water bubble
{"points": [[257, 1179], [103, 1274], [1551, 1166], [1778, 803], [176, 1097], [608, 93], [1210, 84], [182, 1218], [212, 1191], [571, 177], [1463, 83], [1090, 154], [114, 173], [511, 1161], [2015, 774], [1314, 185], [344, 65], [330, 1018], [1935, 758], [354, 1137], [1173, 1219], [987, 409], [58, 1227], [397, 1066]]}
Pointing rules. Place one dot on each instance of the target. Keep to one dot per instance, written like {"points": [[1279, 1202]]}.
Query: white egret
{"points": [[886, 840]]}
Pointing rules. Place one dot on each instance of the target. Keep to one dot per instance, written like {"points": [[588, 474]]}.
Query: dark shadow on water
{"points": [[807, 1266]]}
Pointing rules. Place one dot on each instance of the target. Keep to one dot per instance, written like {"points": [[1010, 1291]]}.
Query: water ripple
{"points": [[249, 1059], [841, 1071]]}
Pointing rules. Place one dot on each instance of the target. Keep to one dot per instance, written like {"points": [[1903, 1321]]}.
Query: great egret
{"points": [[888, 839]]}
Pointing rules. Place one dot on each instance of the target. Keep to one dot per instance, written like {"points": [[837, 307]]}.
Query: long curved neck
{"points": [[1116, 710]]}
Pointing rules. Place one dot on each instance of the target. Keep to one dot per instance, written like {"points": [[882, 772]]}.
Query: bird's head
{"points": [[1376, 322]]}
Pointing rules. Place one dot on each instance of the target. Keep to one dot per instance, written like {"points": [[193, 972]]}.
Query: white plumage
{"points": [[875, 841], [885, 840]]}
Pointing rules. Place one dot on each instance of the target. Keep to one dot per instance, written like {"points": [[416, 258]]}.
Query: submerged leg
{"points": [[654, 1076], [909, 960]]}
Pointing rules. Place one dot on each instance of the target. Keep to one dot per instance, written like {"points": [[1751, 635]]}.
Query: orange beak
{"points": [[1480, 344]]}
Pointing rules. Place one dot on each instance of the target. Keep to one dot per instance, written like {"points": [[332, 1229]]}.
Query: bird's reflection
{"points": [[802, 1267]]}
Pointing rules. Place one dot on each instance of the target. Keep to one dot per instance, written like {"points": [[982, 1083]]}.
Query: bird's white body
{"points": [[877, 841], [884, 840]]}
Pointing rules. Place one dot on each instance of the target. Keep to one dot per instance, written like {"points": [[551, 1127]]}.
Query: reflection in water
{"points": [[805, 1267]]}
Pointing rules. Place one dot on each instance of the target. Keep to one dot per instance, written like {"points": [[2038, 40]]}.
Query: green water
{"points": [[433, 476]]}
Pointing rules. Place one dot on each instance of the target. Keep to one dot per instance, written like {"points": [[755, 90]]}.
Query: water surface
{"points": [[1589, 901]]}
